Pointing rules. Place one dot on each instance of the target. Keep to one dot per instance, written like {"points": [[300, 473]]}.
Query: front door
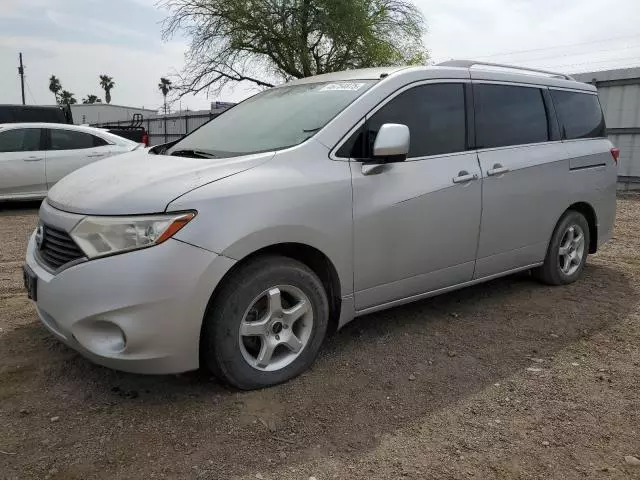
{"points": [[525, 175], [416, 222], [22, 166]]}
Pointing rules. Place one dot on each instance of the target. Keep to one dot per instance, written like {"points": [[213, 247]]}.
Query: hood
{"points": [[139, 182]]}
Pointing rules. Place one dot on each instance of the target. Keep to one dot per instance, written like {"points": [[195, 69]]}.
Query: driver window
{"points": [[434, 113]]}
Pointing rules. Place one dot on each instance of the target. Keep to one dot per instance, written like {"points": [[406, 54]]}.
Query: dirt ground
{"points": [[510, 379]]}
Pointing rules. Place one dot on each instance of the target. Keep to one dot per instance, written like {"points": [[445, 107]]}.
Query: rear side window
{"points": [[580, 114], [508, 115], [20, 140], [71, 140], [435, 115]]}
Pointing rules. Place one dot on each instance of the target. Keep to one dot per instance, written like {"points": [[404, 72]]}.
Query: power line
{"points": [[597, 62], [590, 52], [517, 52], [604, 67], [29, 90]]}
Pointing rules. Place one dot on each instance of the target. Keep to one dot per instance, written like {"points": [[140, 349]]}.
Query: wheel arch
{"points": [[592, 220], [310, 256]]}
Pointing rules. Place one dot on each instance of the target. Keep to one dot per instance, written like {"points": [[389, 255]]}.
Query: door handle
{"points": [[464, 177], [497, 170], [95, 155], [33, 159]]}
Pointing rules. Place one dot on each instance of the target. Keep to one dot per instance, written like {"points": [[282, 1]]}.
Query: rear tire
{"points": [[567, 251], [266, 325]]}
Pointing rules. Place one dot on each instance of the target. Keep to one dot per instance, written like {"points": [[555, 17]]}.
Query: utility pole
{"points": [[21, 72]]}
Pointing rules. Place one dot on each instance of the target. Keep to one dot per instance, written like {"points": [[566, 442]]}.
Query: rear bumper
{"points": [[138, 312]]}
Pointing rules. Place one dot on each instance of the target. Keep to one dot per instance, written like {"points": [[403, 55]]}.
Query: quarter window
{"points": [[509, 115], [580, 114], [99, 142], [434, 113], [20, 140]]}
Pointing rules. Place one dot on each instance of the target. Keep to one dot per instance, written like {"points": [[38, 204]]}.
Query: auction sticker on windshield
{"points": [[342, 87]]}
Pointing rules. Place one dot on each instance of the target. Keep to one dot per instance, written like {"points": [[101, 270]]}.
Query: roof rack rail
{"points": [[471, 63]]}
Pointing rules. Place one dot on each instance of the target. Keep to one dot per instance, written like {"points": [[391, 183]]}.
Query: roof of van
{"points": [[346, 75], [476, 71]]}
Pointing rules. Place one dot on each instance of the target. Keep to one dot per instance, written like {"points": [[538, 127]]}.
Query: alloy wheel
{"points": [[276, 328], [571, 251]]}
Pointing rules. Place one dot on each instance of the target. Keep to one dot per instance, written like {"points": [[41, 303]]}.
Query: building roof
{"points": [[181, 113], [112, 105], [608, 75]]}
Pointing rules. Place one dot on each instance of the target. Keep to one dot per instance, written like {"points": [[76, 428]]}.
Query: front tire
{"points": [[266, 325], [567, 251]]}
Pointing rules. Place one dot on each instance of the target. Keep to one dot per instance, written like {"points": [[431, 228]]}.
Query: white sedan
{"points": [[34, 156]]}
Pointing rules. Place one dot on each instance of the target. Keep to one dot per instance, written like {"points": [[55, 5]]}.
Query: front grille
{"points": [[58, 248]]}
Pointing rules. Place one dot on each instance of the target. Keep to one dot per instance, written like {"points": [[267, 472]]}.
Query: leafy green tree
{"points": [[165, 86], [107, 83], [67, 98], [91, 99], [55, 86], [265, 41]]}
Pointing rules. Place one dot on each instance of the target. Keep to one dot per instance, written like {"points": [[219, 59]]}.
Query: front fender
{"points": [[298, 197]]}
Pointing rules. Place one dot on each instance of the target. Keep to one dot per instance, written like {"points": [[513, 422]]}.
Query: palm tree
{"points": [[55, 86], [165, 87], [91, 99], [107, 83], [67, 98]]}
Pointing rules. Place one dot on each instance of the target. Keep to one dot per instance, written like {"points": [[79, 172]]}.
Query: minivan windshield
{"points": [[271, 120]]}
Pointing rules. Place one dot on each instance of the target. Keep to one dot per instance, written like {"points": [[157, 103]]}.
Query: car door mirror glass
{"points": [[392, 143]]}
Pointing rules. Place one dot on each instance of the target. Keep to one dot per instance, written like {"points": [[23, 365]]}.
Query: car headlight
{"points": [[100, 236]]}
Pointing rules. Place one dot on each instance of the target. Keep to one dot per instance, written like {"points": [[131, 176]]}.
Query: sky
{"points": [[77, 40]]}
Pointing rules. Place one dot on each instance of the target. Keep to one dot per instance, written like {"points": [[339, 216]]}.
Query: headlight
{"points": [[99, 236]]}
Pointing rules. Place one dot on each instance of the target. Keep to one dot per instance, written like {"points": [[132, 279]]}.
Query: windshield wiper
{"points": [[192, 153]]}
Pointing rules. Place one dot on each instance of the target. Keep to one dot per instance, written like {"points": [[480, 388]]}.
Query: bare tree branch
{"points": [[266, 41]]}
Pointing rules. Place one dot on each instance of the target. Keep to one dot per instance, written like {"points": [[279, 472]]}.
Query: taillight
{"points": [[615, 153], [145, 139]]}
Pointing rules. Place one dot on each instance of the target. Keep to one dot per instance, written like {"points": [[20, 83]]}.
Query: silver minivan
{"points": [[241, 246]]}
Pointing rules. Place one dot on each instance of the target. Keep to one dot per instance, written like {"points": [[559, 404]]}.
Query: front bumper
{"points": [[138, 312]]}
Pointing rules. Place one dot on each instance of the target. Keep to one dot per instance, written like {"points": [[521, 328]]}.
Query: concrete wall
{"points": [[619, 92]]}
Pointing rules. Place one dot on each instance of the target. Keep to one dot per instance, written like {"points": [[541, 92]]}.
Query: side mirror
{"points": [[392, 143]]}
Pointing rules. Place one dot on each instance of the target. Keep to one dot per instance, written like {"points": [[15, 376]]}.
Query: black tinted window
{"points": [[579, 114], [70, 140], [435, 115], [20, 140], [99, 142], [507, 115], [28, 113]]}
